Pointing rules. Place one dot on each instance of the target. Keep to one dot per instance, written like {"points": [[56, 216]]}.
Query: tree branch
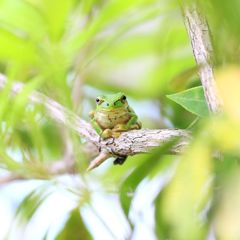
{"points": [[129, 143], [143, 140], [10, 178], [198, 32], [57, 168]]}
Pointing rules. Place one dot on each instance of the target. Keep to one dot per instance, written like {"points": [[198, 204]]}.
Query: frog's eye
{"points": [[124, 98], [98, 100]]}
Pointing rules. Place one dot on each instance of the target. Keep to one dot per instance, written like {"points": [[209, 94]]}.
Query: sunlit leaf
{"points": [[162, 228], [227, 212], [55, 22], [17, 48], [192, 100], [229, 87], [29, 23], [188, 193]]}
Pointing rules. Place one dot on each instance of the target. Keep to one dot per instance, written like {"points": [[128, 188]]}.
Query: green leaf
{"points": [[74, 228], [192, 100], [162, 228], [187, 194], [142, 171]]}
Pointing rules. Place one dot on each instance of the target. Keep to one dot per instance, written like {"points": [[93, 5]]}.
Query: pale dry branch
{"points": [[143, 140], [98, 160], [10, 178], [199, 35], [57, 168]]}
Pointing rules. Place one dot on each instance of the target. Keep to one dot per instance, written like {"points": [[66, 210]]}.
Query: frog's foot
{"points": [[116, 134], [136, 126], [124, 127], [139, 124], [119, 160], [120, 128], [107, 133]]}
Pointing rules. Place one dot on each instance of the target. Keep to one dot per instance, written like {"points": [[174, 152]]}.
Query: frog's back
{"points": [[109, 119]]}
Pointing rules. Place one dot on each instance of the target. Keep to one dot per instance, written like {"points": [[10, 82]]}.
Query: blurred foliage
{"points": [[73, 50], [74, 228]]}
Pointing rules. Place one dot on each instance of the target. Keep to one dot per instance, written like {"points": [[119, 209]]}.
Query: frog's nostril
{"points": [[107, 104]]}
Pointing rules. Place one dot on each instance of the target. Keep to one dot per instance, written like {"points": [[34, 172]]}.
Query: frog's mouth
{"points": [[115, 110]]}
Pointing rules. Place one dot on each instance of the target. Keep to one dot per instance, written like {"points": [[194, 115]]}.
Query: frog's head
{"points": [[111, 101]]}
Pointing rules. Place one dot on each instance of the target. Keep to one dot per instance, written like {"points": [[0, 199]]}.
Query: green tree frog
{"points": [[112, 116]]}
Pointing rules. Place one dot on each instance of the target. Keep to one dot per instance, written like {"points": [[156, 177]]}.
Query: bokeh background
{"points": [[74, 50]]}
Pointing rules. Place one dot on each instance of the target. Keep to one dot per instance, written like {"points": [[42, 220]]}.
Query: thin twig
{"points": [[98, 160], [10, 178], [54, 169]]}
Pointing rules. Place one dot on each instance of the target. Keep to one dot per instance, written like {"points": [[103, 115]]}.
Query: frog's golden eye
{"points": [[124, 98], [98, 100]]}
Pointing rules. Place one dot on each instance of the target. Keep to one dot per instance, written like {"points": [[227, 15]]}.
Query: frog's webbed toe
{"points": [[119, 160], [107, 133], [120, 128], [116, 134]]}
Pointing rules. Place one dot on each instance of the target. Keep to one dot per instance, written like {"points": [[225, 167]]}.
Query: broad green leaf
{"points": [[74, 228], [192, 100]]}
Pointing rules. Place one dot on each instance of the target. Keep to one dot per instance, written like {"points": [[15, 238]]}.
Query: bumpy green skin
{"points": [[113, 115]]}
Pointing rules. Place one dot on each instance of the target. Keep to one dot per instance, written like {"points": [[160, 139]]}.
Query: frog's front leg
{"points": [[107, 133], [103, 133], [131, 124], [96, 126]]}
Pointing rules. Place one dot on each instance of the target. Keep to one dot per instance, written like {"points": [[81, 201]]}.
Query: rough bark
{"points": [[199, 34]]}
